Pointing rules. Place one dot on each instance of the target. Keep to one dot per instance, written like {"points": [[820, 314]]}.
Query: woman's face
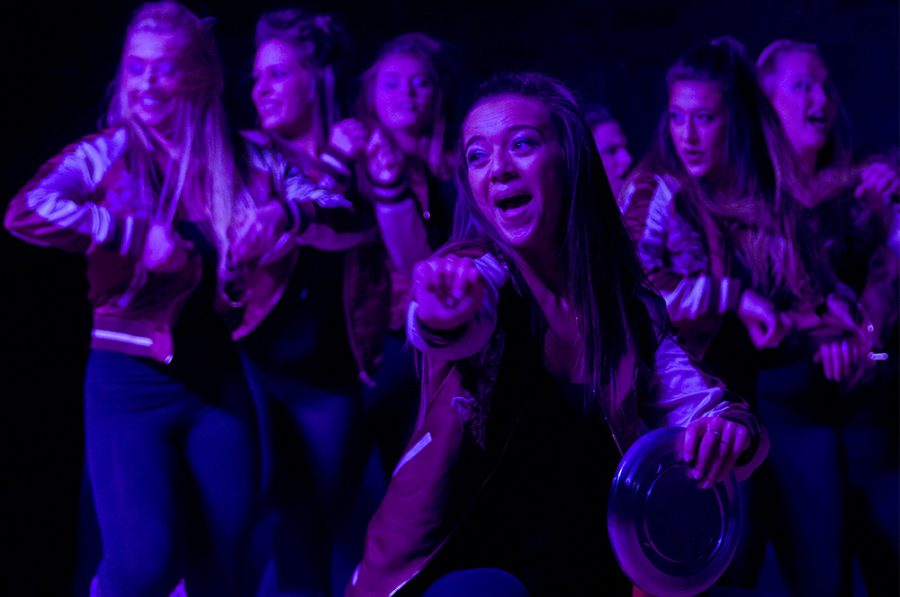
{"points": [[514, 161], [613, 147], [282, 89], [404, 94], [798, 90], [152, 76], [697, 126]]}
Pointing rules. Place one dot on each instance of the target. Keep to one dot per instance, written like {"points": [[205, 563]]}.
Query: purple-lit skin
{"points": [[799, 95], [403, 95], [697, 125], [282, 89], [151, 77], [515, 163], [514, 160], [613, 147], [800, 98]]}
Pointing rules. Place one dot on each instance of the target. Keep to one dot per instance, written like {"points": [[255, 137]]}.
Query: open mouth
{"points": [[512, 202], [268, 108], [149, 102], [817, 120]]}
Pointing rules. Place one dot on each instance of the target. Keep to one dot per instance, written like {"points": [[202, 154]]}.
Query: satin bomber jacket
{"points": [[83, 201], [453, 452]]}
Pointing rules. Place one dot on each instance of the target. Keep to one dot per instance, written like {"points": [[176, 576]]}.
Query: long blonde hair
{"points": [[198, 171]]}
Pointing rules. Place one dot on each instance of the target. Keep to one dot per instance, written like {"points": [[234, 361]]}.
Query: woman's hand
{"points": [[266, 225], [840, 358], [765, 327], [448, 290], [165, 250], [712, 445], [349, 136], [878, 181], [385, 161], [844, 354]]}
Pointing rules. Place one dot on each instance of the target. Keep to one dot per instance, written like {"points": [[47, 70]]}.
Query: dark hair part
{"points": [[602, 272], [755, 197]]}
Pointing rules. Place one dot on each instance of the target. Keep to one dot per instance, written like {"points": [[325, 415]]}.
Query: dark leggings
{"points": [[311, 442], [168, 455]]}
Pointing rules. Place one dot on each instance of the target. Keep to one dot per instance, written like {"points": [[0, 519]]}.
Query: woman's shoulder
{"points": [[647, 204], [259, 147], [643, 187], [261, 152], [257, 137], [107, 142]]}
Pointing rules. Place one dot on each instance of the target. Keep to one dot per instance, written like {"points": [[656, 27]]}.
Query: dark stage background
{"points": [[58, 60]]}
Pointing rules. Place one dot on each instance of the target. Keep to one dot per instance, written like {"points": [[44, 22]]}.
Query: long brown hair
{"points": [[602, 273], [754, 204]]}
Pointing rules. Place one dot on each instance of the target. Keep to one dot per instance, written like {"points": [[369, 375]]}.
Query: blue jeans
{"points": [[311, 444], [808, 478], [169, 449]]}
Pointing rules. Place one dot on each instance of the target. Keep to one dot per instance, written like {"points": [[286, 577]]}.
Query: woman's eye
{"points": [[134, 68], [705, 117], [166, 69], [802, 85], [676, 118], [475, 156], [422, 83], [520, 144]]}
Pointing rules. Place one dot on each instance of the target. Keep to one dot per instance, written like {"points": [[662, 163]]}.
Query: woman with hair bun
{"points": [[292, 334]]}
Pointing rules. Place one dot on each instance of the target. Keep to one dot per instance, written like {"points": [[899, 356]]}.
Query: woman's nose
{"points": [[501, 167]]}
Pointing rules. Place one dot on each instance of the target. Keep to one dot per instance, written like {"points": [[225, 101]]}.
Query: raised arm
{"points": [[289, 209], [454, 308], [60, 207]]}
